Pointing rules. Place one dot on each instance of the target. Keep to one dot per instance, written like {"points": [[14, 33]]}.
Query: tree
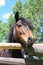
{"points": [[11, 20], [17, 7], [31, 9], [3, 31]]}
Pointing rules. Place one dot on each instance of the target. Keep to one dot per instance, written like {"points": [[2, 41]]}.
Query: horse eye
{"points": [[20, 33]]}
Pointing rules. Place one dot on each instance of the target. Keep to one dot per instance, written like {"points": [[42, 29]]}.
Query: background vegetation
{"points": [[31, 9]]}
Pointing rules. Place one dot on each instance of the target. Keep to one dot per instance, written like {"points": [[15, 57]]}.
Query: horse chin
{"points": [[27, 44]]}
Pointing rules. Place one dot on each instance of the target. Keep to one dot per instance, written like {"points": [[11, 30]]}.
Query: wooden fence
{"points": [[11, 61], [36, 50]]}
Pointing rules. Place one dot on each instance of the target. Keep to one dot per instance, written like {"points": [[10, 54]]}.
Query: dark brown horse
{"points": [[20, 32]]}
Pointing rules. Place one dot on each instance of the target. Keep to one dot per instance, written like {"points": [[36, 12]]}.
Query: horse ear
{"points": [[17, 16]]}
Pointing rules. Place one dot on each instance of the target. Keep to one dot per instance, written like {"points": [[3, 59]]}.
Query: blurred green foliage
{"points": [[31, 9], [4, 28]]}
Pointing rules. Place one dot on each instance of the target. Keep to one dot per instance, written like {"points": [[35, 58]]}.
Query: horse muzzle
{"points": [[30, 41]]}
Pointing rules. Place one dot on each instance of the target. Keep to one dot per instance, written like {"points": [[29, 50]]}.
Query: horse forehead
{"points": [[24, 22]]}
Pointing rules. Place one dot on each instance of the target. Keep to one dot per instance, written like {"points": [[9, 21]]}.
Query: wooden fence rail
{"points": [[18, 61], [36, 49], [10, 46], [11, 61]]}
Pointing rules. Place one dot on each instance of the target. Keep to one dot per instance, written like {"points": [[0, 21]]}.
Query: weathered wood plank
{"points": [[36, 50], [10, 46], [12, 61], [18, 61]]}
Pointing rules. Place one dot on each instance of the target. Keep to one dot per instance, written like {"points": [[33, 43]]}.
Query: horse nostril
{"points": [[30, 38]]}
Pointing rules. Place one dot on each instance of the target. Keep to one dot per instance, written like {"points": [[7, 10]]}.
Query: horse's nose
{"points": [[31, 40]]}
